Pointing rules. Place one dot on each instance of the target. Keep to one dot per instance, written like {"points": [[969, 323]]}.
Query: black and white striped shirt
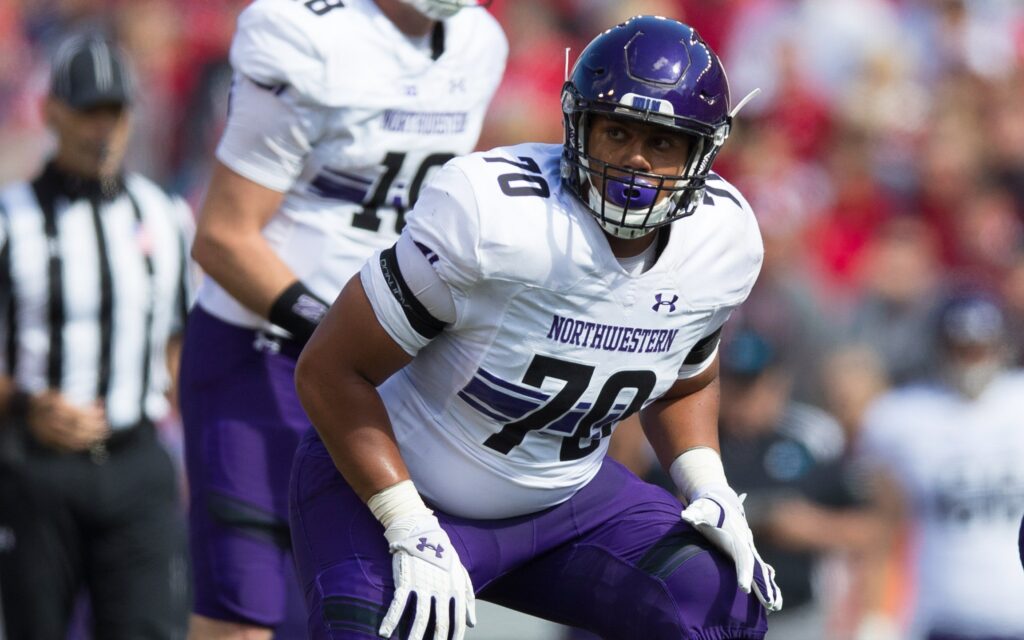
{"points": [[93, 283]]}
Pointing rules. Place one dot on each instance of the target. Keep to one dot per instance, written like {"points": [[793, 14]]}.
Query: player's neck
{"points": [[629, 247], [408, 20]]}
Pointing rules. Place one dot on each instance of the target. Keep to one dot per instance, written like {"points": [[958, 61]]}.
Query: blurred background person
{"points": [[790, 459], [900, 284], [93, 289], [946, 456], [318, 163]]}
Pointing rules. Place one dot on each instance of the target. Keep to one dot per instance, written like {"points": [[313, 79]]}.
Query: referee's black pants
{"points": [[112, 523]]}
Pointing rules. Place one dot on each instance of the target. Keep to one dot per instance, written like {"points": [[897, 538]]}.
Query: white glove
{"points": [[718, 515], [424, 562]]}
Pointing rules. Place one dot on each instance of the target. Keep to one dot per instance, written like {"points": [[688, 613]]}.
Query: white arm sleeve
{"points": [[268, 134]]}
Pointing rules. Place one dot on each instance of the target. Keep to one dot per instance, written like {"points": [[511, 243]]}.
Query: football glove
{"points": [[425, 563], [718, 515]]}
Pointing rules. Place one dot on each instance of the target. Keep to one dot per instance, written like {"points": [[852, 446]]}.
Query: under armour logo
{"points": [[424, 545], [661, 302], [458, 84], [410, 90]]}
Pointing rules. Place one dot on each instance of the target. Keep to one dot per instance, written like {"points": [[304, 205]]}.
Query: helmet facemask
{"points": [[634, 202]]}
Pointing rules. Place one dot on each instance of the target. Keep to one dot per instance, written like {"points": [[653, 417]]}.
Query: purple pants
{"points": [[616, 559], [242, 423]]}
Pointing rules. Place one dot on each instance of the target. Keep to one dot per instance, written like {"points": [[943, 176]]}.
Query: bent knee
{"points": [[702, 596]]}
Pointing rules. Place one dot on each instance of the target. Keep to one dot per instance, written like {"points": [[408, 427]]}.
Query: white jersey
{"points": [[335, 107], [507, 410], [959, 463]]}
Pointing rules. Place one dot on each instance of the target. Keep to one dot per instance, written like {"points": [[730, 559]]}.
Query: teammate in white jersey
{"points": [[538, 295], [340, 112], [952, 450]]}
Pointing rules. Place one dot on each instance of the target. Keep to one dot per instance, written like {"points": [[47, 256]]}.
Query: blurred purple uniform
{"points": [[242, 423], [614, 559]]}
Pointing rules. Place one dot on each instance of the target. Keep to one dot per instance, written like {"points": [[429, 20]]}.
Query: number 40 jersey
{"points": [[332, 105], [507, 407]]}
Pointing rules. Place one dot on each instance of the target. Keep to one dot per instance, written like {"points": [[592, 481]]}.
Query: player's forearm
{"points": [[336, 379], [351, 420], [229, 243], [245, 265], [679, 423]]}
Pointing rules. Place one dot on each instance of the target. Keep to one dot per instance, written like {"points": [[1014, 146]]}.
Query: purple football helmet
{"points": [[655, 70]]}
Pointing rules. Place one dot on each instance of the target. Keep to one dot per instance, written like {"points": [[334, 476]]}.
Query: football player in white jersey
{"points": [[466, 383], [951, 450], [340, 112]]}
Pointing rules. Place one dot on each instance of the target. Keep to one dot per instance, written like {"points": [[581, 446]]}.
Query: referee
{"points": [[92, 295]]}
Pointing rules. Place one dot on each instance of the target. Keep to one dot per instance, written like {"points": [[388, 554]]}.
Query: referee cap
{"points": [[89, 71]]}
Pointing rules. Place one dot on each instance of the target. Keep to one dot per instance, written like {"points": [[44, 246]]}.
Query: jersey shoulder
{"points": [[140, 185], [153, 197], [489, 211], [18, 203], [12, 195], [718, 250], [291, 42], [525, 224], [474, 34]]}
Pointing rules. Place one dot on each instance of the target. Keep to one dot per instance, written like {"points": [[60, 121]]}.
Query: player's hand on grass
{"points": [[718, 515], [425, 563]]}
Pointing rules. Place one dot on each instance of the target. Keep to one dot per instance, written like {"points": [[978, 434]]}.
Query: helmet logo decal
{"points": [[645, 103]]}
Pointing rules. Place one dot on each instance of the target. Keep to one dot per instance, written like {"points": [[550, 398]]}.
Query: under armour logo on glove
{"points": [[660, 302], [424, 545], [443, 589]]}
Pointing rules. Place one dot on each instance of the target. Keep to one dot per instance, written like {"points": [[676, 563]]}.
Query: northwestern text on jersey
{"points": [[607, 337], [425, 122]]}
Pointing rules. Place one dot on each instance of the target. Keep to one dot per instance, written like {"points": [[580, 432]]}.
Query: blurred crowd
{"points": [[883, 156]]}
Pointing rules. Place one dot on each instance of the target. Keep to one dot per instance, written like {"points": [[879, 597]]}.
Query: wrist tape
{"points": [[696, 470], [396, 502]]}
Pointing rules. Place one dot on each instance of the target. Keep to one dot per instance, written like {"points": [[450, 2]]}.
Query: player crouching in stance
{"points": [[537, 296]]}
